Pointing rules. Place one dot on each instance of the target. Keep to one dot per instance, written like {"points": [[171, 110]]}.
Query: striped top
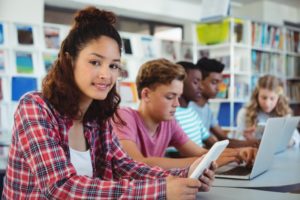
{"points": [[192, 124]]}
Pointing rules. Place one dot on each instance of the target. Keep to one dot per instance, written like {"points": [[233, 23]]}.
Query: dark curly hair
{"points": [[59, 85], [208, 65]]}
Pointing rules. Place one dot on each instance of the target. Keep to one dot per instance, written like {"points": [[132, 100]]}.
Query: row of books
{"points": [[26, 35], [25, 62], [262, 63], [266, 36], [148, 47], [137, 45], [241, 88]]}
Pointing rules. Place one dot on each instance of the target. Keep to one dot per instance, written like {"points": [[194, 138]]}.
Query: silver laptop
{"points": [[290, 126], [264, 156]]}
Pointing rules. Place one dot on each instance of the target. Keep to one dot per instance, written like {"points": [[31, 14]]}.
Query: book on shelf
{"points": [[254, 80], [266, 36], [124, 72], [239, 31], [262, 63], [186, 52], [2, 61], [292, 41], [148, 47], [1, 34], [224, 87], [241, 88], [170, 50], [48, 59], [292, 66], [1, 91], [25, 34], [24, 62], [222, 111], [127, 49], [22, 85], [225, 60], [52, 38]]}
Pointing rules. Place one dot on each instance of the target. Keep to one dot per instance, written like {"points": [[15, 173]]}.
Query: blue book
{"points": [[24, 62], [22, 85], [224, 113], [1, 34], [25, 34]]}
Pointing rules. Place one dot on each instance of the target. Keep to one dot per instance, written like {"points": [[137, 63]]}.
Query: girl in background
{"points": [[267, 100]]}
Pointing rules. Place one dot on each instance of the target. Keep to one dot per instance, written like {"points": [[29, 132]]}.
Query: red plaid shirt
{"points": [[39, 164]]}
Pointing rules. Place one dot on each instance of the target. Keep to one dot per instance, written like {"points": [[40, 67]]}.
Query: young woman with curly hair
{"points": [[63, 146]]}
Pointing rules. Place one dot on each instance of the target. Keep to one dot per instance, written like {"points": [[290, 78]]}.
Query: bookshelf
{"points": [[27, 51], [248, 49]]}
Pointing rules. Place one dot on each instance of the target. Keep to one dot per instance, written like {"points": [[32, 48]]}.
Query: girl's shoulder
{"points": [[36, 99], [32, 97]]}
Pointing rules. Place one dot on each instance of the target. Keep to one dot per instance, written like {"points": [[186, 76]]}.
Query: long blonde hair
{"points": [[271, 83]]}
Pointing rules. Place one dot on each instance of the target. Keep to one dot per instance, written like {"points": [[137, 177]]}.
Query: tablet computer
{"points": [[212, 155]]}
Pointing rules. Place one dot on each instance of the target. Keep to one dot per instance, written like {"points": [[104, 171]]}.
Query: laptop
{"points": [[291, 124], [264, 156]]}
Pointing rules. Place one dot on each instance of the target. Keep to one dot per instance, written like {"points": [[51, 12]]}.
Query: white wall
{"points": [[268, 11], [164, 10], [24, 11]]}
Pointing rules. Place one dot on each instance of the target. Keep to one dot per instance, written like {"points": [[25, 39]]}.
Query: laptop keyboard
{"points": [[240, 171]]}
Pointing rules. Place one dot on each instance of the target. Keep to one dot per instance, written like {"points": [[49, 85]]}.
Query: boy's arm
{"points": [[166, 163], [233, 143], [190, 148]]}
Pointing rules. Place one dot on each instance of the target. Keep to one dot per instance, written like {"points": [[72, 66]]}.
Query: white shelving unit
{"points": [[252, 49]]}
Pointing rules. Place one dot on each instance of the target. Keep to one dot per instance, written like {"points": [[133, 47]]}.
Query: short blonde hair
{"points": [[158, 72]]}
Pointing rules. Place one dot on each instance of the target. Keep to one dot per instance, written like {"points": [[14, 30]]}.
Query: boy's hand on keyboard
{"points": [[247, 154]]}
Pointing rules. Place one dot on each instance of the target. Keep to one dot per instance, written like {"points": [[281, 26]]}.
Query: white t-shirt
{"points": [[82, 162]]}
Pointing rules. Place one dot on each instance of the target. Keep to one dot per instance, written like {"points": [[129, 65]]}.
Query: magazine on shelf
{"points": [[25, 34], [1, 91], [148, 47], [186, 51], [22, 85], [127, 49], [48, 59], [2, 61], [52, 39], [170, 50], [224, 87], [24, 62]]}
